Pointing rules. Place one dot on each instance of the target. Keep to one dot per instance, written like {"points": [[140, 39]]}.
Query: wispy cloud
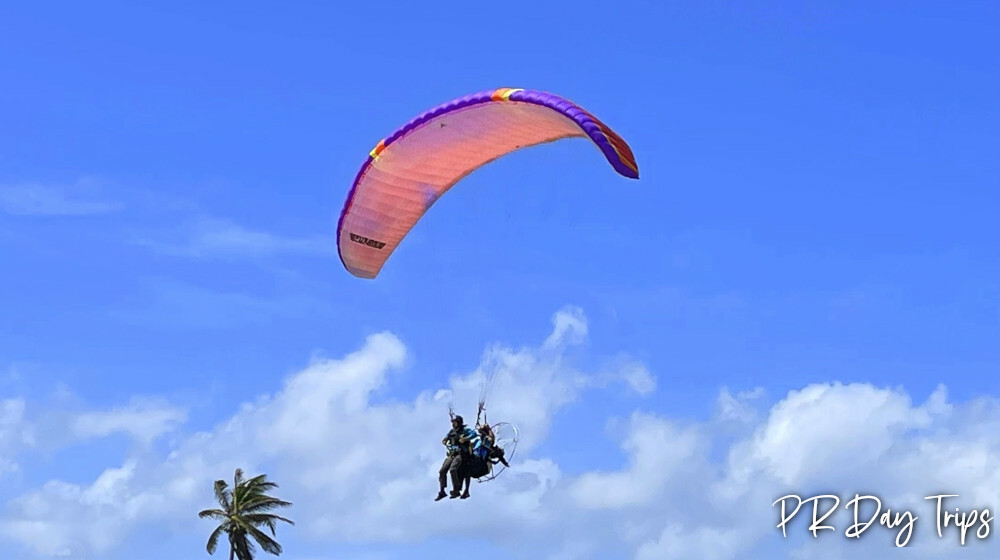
{"points": [[14, 433], [214, 237], [145, 420], [176, 304], [45, 200]]}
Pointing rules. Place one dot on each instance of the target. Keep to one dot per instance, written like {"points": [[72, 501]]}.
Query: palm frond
{"points": [[268, 544], [222, 494], [216, 514], [267, 520], [261, 518], [262, 481], [213, 539], [259, 504]]}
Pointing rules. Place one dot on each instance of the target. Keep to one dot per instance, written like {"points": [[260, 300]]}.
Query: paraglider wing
{"points": [[409, 170]]}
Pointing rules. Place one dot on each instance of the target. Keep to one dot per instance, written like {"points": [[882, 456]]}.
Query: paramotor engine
{"points": [[506, 440]]}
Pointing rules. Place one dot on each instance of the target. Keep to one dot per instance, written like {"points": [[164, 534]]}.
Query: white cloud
{"points": [[362, 469], [42, 200], [632, 374], [738, 408], [15, 433], [48, 520], [812, 430], [570, 327], [677, 542], [659, 452], [640, 379], [145, 420]]}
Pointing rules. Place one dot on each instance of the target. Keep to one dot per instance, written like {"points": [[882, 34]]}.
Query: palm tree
{"points": [[244, 511]]}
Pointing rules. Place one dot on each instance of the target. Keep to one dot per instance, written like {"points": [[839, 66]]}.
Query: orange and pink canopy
{"points": [[408, 171]]}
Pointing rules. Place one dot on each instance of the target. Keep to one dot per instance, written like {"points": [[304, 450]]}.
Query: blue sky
{"points": [[816, 206]]}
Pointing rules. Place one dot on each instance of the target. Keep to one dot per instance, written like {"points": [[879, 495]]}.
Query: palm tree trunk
{"points": [[232, 550]]}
